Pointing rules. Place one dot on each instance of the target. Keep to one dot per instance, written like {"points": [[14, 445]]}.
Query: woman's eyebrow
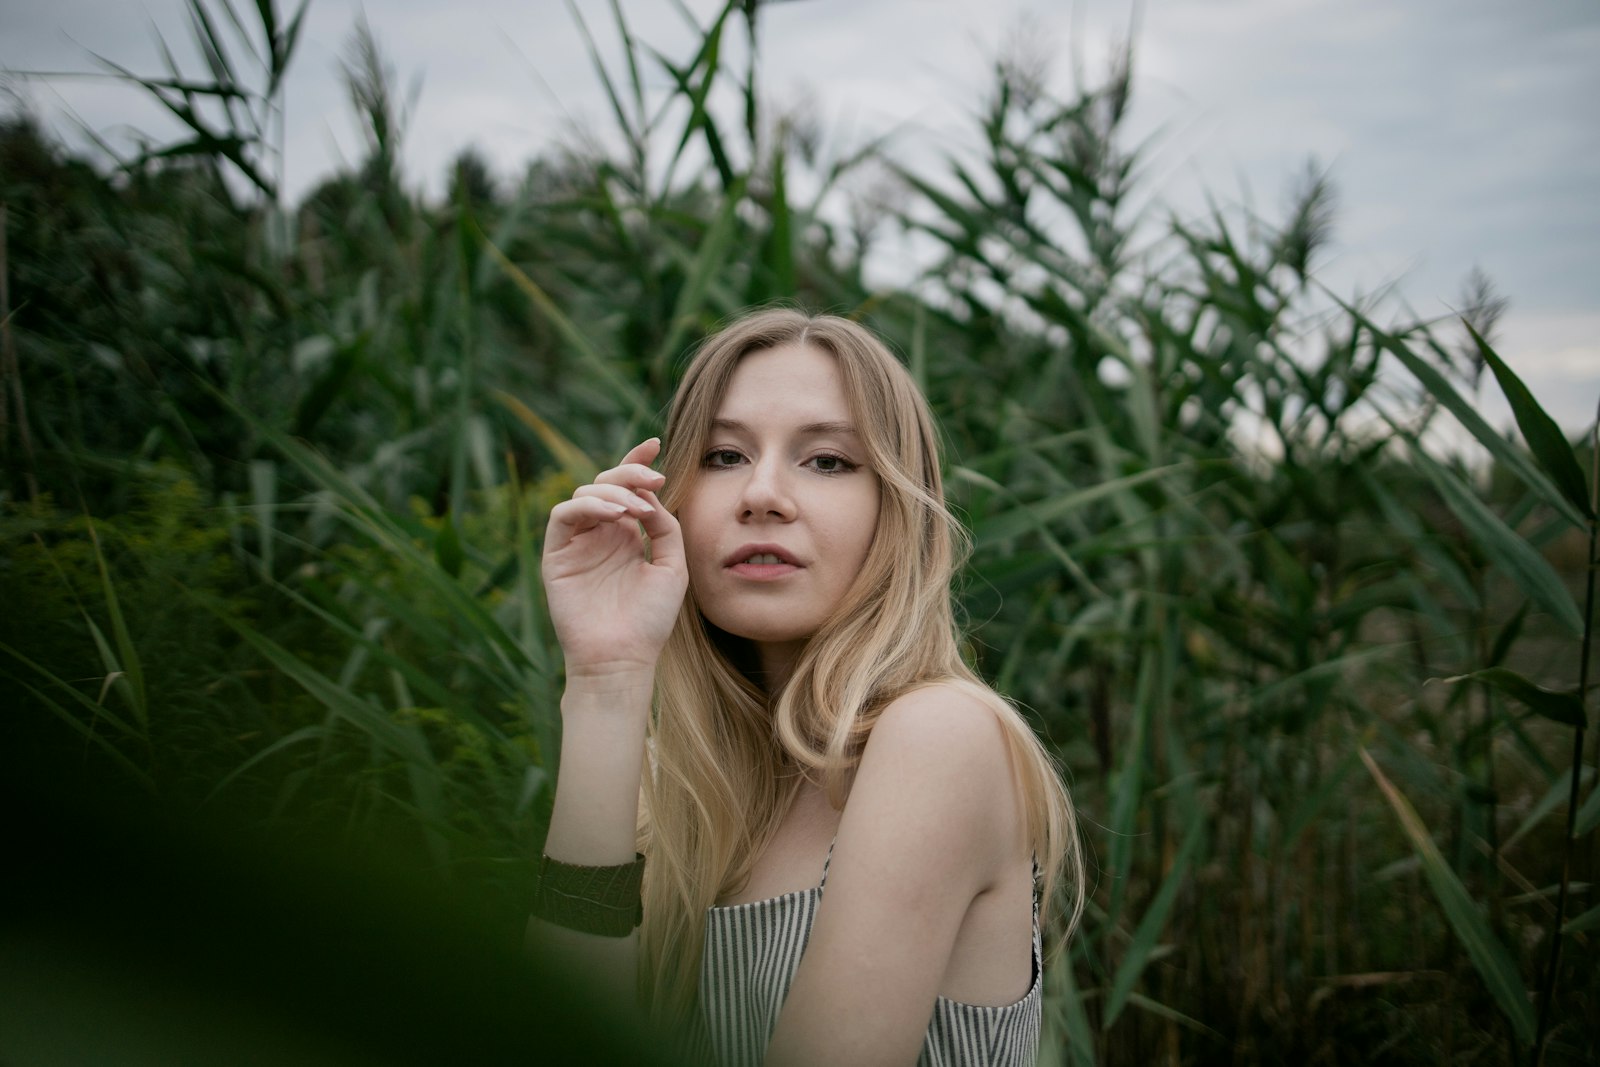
{"points": [[810, 429]]}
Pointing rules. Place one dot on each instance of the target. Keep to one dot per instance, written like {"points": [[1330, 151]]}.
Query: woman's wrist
{"points": [[621, 670], [610, 687]]}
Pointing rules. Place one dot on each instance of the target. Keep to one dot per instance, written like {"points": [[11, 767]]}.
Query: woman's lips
{"points": [[762, 562], [764, 572]]}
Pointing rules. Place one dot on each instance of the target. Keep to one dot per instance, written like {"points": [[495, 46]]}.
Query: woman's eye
{"points": [[722, 457], [828, 464]]}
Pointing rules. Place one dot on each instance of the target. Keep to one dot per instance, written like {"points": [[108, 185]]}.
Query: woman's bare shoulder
{"points": [[945, 742], [953, 719]]}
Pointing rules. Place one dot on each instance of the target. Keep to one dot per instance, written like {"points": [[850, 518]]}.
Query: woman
{"points": [[826, 775]]}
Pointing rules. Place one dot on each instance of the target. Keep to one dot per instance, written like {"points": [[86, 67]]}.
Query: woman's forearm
{"points": [[604, 717], [595, 819]]}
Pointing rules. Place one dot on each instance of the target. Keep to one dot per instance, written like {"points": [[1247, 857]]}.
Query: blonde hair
{"points": [[727, 757]]}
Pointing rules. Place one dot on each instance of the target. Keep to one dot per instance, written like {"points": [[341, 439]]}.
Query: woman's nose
{"points": [[766, 493]]}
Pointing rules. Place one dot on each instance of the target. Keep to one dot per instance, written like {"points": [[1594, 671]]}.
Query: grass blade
{"points": [[89, 734], [1488, 955], [779, 252], [1588, 815], [1563, 706], [264, 492], [1589, 920], [1551, 800], [710, 258], [127, 655], [629, 394], [1065, 1011], [1510, 553], [305, 733], [95, 710], [1139, 1000], [635, 138], [1018, 520], [1548, 444], [1151, 924], [372, 721], [575, 463]]}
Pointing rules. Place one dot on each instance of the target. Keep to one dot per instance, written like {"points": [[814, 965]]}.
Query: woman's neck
{"points": [[777, 662]]}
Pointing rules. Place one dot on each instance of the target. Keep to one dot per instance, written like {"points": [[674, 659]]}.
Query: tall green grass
{"points": [[1320, 687]]}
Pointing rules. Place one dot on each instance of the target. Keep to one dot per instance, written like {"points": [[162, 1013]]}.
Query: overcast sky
{"points": [[1457, 132]]}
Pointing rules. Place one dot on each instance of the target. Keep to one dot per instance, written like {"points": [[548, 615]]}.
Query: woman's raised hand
{"points": [[612, 604]]}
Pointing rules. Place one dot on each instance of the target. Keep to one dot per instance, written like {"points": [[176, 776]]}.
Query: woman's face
{"points": [[783, 508]]}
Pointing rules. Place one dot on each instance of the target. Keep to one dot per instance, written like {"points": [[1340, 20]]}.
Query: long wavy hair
{"points": [[727, 757]]}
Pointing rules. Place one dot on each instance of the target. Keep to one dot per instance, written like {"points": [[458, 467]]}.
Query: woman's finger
{"points": [[666, 537], [629, 499], [572, 517], [632, 475], [644, 453], [634, 469]]}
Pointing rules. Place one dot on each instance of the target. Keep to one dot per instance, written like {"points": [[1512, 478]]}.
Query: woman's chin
{"points": [[763, 628]]}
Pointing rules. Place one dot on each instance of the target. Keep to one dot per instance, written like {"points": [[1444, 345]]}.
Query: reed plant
{"points": [[1319, 684]]}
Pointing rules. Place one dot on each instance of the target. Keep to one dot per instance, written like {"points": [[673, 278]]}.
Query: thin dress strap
{"points": [[823, 884]]}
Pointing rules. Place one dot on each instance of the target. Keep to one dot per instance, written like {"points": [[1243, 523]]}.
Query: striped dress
{"points": [[751, 954]]}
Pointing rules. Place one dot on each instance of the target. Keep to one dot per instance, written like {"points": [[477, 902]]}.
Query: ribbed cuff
{"points": [[591, 900]]}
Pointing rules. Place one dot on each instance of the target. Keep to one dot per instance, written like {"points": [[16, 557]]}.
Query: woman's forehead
{"points": [[799, 385]]}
